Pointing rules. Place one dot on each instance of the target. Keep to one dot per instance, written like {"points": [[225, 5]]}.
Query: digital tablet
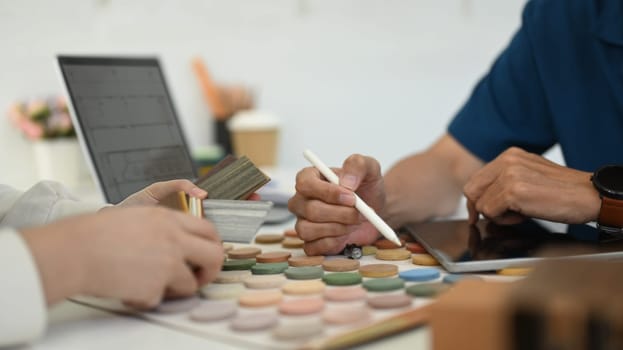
{"points": [[461, 247]]}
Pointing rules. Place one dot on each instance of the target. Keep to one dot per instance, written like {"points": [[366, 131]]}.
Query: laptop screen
{"points": [[125, 116]]}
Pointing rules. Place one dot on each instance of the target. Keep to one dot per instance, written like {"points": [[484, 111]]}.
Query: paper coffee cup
{"points": [[255, 134]]}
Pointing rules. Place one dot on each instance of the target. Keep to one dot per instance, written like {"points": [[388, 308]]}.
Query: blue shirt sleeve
{"points": [[508, 107]]}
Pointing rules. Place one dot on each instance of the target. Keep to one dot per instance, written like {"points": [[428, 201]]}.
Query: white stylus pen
{"points": [[363, 208]]}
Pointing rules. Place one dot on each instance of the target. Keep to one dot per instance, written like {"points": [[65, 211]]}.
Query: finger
{"points": [[311, 184], [357, 169], [206, 257], [472, 212], [196, 226], [325, 246], [254, 197], [161, 190], [318, 211], [363, 234], [311, 231], [182, 281]]}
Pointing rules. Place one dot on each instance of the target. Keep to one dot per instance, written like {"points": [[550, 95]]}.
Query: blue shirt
{"points": [[560, 80]]}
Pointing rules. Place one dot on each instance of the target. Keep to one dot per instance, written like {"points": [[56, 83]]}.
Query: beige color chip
{"points": [[384, 243], [244, 253], [346, 314], [273, 257], [298, 261], [345, 293], [390, 301], [393, 254], [515, 271], [269, 238], [303, 287], [227, 247], [265, 281], [301, 306], [234, 276], [340, 265], [378, 270], [222, 291], [260, 298], [368, 250], [291, 233], [424, 260], [292, 243]]}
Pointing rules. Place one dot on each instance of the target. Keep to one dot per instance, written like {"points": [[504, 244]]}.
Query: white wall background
{"points": [[379, 77]]}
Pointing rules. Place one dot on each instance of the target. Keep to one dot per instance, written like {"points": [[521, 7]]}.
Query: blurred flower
{"points": [[42, 118]]}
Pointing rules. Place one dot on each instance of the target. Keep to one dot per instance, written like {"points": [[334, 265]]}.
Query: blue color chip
{"points": [[419, 275]]}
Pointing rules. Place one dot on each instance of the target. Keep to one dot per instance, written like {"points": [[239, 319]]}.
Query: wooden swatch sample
{"points": [[232, 178]]}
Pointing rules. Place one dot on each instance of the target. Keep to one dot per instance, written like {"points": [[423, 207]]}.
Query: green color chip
{"points": [[427, 290], [269, 268], [342, 278], [304, 273], [383, 284], [238, 264]]}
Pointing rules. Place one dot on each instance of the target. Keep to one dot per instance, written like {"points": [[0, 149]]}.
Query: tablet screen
{"points": [[126, 118], [460, 246]]}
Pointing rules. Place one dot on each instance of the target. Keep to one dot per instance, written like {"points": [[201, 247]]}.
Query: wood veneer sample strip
{"points": [[236, 179]]}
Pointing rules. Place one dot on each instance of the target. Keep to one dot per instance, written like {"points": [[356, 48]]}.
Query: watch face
{"points": [[609, 181]]}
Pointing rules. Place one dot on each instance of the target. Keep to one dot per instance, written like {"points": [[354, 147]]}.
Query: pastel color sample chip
{"points": [[378, 270], [254, 322], [342, 278], [260, 298], [420, 275], [368, 250], [297, 330], [265, 281], [424, 260], [340, 265], [383, 284], [389, 301], [345, 293], [346, 315], [298, 261], [211, 311], [222, 291], [269, 238], [303, 287], [453, 278], [304, 273], [174, 306], [301, 306], [233, 276], [292, 243], [393, 254], [269, 268], [427, 290], [244, 253], [273, 257], [242, 264]]}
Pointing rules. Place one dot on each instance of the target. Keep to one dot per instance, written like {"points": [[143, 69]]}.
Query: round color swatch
{"points": [[273, 257], [233, 276], [454, 278], [378, 270], [420, 275], [298, 330], [269, 238], [303, 287], [304, 273], [211, 311], [260, 298], [414, 247], [340, 265], [390, 301], [387, 244], [243, 264], [301, 306], [306, 260], [342, 278], [265, 281], [515, 271], [427, 290], [291, 233], [368, 250], [383, 284], [254, 322], [292, 243], [345, 293], [424, 260], [346, 315], [227, 247], [393, 254], [222, 291], [174, 306], [269, 268], [244, 253]]}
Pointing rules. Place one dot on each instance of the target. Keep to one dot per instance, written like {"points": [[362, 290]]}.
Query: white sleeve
{"points": [[23, 316], [44, 202]]}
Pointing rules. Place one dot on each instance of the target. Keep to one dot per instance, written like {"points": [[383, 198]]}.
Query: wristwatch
{"points": [[608, 181]]}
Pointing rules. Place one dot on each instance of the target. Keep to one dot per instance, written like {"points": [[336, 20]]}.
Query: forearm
{"points": [[428, 184]]}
